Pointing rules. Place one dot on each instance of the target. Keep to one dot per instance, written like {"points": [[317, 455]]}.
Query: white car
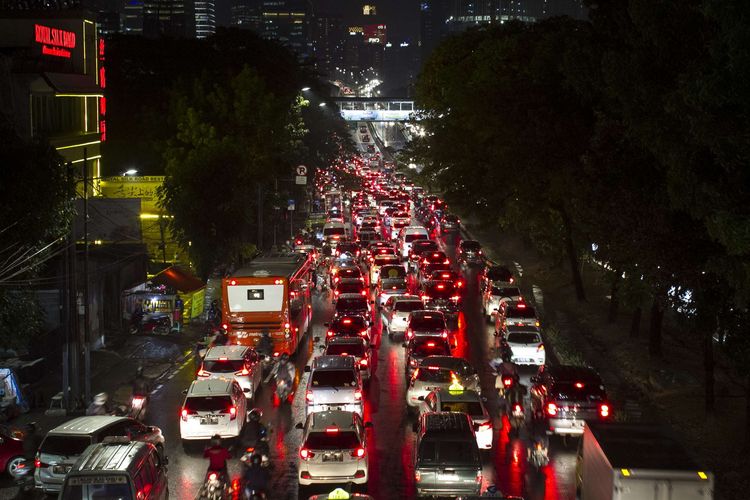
{"points": [[377, 262], [396, 310], [425, 380], [213, 406], [410, 234], [334, 449], [496, 294], [524, 345], [334, 384], [462, 401], [239, 362]]}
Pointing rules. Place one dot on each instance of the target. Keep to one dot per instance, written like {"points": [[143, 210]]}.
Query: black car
{"points": [[450, 224], [352, 304], [499, 273], [419, 348], [470, 252], [348, 326]]}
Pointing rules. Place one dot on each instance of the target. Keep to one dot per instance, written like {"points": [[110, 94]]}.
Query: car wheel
{"points": [[12, 466]]}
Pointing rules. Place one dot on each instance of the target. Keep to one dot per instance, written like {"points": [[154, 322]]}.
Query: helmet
{"points": [[255, 415], [256, 459], [101, 398], [216, 440], [265, 334]]}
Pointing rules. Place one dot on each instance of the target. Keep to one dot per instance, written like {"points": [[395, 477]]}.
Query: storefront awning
{"points": [[179, 279], [71, 84]]}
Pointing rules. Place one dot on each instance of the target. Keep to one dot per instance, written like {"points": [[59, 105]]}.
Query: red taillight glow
{"points": [[444, 335], [551, 409], [507, 381], [232, 412], [485, 426], [363, 362], [329, 333], [358, 395], [540, 347], [363, 293], [233, 282], [286, 326], [184, 414], [430, 344], [212, 476], [346, 321], [579, 385], [305, 454], [225, 326], [202, 373], [517, 408], [358, 453], [332, 430], [244, 371], [604, 411]]}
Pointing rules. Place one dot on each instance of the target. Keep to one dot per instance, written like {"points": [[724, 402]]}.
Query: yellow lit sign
{"points": [[625, 472], [338, 494], [703, 475]]}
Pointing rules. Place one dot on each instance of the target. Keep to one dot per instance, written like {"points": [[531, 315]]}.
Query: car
{"points": [[448, 275], [447, 462], [430, 262], [211, 407], [399, 220], [349, 285], [358, 347], [424, 323], [237, 362], [419, 247], [516, 313], [470, 253], [11, 450], [467, 375], [565, 397], [495, 295], [392, 280], [408, 235], [379, 260], [522, 345], [449, 224], [463, 401], [373, 247], [333, 232], [499, 273], [366, 237], [347, 246], [352, 271], [334, 384], [352, 304], [419, 348], [426, 379], [348, 326], [334, 449], [396, 310]]}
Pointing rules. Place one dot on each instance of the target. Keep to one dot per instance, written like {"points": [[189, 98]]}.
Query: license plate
{"points": [[447, 477], [333, 457], [209, 420], [61, 469]]}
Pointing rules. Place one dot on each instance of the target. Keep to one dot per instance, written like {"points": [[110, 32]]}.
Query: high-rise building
{"points": [[287, 21], [171, 18], [132, 17], [245, 14], [205, 18], [328, 36]]}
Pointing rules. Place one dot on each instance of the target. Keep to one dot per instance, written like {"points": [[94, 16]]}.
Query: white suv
{"points": [[234, 361], [410, 234], [334, 384], [213, 406], [334, 449]]}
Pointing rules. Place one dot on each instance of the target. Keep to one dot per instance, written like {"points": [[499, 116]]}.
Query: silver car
{"points": [[396, 310], [495, 295], [334, 384]]}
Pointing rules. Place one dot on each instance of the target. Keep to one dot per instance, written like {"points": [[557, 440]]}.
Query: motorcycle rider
{"points": [[284, 372], [31, 441], [100, 405], [221, 337], [214, 314], [217, 456], [256, 432], [141, 388], [256, 478], [539, 446], [265, 344]]}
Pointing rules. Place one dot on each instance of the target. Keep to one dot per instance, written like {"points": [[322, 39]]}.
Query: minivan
{"points": [[334, 384], [118, 468]]}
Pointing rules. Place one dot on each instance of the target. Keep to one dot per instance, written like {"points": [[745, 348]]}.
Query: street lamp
{"points": [[305, 89], [130, 171], [322, 104]]}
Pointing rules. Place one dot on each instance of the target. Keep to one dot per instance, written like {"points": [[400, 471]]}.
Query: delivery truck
{"points": [[637, 462]]}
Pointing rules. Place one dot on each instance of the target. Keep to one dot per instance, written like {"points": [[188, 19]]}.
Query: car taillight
{"points": [[363, 362], [444, 334], [232, 412], [203, 373], [329, 333], [212, 476], [309, 396], [409, 333], [358, 395], [358, 453], [305, 454], [551, 409], [336, 293], [244, 371], [363, 293], [417, 476], [479, 476], [184, 414], [412, 362], [425, 297], [39, 464], [604, 411]]}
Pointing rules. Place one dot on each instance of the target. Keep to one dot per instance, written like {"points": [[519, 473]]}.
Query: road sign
{"points": [[290, 205], [301, 170], [301, 180]]}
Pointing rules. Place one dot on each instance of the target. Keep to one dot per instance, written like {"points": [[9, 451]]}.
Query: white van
{"points": [[408, 235]]}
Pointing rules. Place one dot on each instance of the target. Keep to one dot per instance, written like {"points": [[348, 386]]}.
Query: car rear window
{"points": [[471, 245], [64, 445], [523, 338], [589, 391], [350, 272], [341, 349], [425, 374], [502, 291], [351, 325], [521, 312], [208, 403], [407, 306], [414, 237], [427, 322], [333, 378], [382, 260], [473, 408], [431, 348], [332, 231], [105, 490], [223, 366], [448, 452], [341, 440], [349, 287], [345, 304]]}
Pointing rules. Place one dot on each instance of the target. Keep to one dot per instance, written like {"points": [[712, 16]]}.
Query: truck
{"points": [[620, 461]]}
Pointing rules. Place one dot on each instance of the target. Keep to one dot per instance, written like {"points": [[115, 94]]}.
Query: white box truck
{"points": [[637, 462]]}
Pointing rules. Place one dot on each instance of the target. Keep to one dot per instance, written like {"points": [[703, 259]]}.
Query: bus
{"points": [[270, 294]]}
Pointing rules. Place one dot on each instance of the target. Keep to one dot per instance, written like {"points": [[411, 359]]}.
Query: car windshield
{"points": [[349, 304], [340, 440], [473, 408], [350, 272], [208, 403], [502, 291], [471, 246], [448, 452], [333, 231], [433, 374], [64, 445], [414, 236], [521, 312], [430, 348], [333, 378], [102, 487], [523, 338], [223, 365], [408, 306], [352, 349], [428, 322]]}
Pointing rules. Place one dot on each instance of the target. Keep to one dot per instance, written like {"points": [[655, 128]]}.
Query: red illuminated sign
{"points": [[55, 42]]}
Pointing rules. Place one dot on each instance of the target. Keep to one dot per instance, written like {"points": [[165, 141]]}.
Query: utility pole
{"points": [[163, 245], [65, 315], [260, 217], [86, 316], [72, 388]]}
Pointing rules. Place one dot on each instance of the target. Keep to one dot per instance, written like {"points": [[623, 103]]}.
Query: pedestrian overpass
{"points": [[377, 109]]}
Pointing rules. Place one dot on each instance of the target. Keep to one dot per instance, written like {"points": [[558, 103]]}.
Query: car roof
{"points": [[426, 313], [564, 373], [210, 387], [326, 362], [444, 361], [226, 351], [86, 425], [446, 422], [321, 419], [466, 395], [522, 329], [352, 296], [119, 454]]}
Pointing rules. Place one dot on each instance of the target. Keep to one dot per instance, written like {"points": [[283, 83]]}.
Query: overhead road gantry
{"points": [[377, 109]]}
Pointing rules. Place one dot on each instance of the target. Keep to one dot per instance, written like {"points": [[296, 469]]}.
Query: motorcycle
{"points": [[214, 487], [24, 479], [152, 324], [283, 390], [517, 418], [506, 376], [539, 457]]}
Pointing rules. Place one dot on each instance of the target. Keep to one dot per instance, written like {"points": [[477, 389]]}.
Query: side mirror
{"points": [[299, 426], [307, 368], [184, 391], [368, 425]]}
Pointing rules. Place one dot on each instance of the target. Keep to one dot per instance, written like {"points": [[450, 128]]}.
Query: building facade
{"points": [[205, 18]]}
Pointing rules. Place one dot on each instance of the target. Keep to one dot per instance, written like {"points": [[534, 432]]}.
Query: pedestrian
{"points": [[179, 308]]}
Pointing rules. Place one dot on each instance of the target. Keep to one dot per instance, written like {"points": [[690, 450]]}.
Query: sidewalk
{"points": [[665, 390]]}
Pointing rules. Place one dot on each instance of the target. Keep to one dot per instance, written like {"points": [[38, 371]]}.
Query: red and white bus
{"points": [[270, 294]]}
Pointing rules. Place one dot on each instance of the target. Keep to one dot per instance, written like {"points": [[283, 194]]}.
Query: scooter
{"points": [[154, 324], [283, 390], [517, 418], [214, 487], [539, 457], [24, 479]]}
